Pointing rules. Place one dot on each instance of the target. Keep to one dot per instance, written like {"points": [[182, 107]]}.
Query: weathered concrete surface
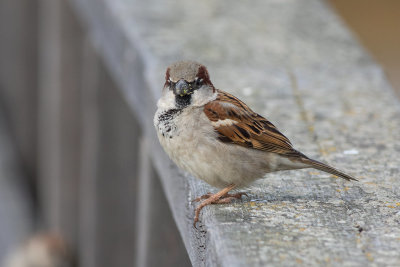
{"points": [[297, 64]]}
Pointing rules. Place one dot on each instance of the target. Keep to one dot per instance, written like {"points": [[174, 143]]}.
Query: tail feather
{"points": [[326, 168]]}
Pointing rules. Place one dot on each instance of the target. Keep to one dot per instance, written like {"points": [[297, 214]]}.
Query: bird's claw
{"points": [[214, 199]]}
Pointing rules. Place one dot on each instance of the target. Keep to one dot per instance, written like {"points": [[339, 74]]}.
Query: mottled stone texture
{"points": [[296, 63]]}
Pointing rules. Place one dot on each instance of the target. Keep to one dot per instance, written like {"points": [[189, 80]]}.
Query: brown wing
{"points": [[236, 123]]}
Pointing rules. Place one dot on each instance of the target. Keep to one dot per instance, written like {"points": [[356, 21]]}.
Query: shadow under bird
{"points": [[217, 138]]}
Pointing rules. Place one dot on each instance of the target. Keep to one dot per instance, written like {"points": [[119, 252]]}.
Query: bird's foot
{"points": [[208, 195], [222, 197]]}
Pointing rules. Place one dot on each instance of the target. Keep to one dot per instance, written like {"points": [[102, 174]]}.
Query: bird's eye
{"points": [[198, 82]]}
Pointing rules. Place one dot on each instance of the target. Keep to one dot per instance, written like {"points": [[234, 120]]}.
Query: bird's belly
{"points": [[193, 145], [195, 152], [216, 163]]}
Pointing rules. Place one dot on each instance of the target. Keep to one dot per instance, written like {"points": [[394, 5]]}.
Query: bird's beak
{"points": [[182, 88]]}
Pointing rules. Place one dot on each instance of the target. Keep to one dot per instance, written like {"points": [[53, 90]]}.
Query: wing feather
{"points": [[246, 128]]}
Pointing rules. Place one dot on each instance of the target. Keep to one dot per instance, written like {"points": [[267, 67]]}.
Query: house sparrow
{"points": [[217, 138]]}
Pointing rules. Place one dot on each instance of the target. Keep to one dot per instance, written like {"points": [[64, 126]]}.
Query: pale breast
{"points": [[165, 122], [191, 142], [182, 133]]}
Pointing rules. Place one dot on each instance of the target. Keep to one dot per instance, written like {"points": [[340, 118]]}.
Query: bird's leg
{"points": [[217, 198], [208, 195]]}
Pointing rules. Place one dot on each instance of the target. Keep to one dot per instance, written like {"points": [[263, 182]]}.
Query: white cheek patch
{"points": [[202, 96], [167, 101], [226, 122]]}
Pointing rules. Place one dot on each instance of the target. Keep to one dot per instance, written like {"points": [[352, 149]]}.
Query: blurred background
{"points": [[376, 24], [69, 147]]}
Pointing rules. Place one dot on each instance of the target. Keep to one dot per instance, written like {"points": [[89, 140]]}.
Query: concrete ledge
{"points": [[297, 64]]}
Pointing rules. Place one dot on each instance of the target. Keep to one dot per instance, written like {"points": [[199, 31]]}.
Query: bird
{"points": [[217, 138]]}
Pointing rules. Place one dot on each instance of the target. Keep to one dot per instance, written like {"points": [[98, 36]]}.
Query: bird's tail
{"points": [[326, 168]]}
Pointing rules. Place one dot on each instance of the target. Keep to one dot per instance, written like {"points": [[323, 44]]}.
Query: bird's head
{"points": [[187, 83]]}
